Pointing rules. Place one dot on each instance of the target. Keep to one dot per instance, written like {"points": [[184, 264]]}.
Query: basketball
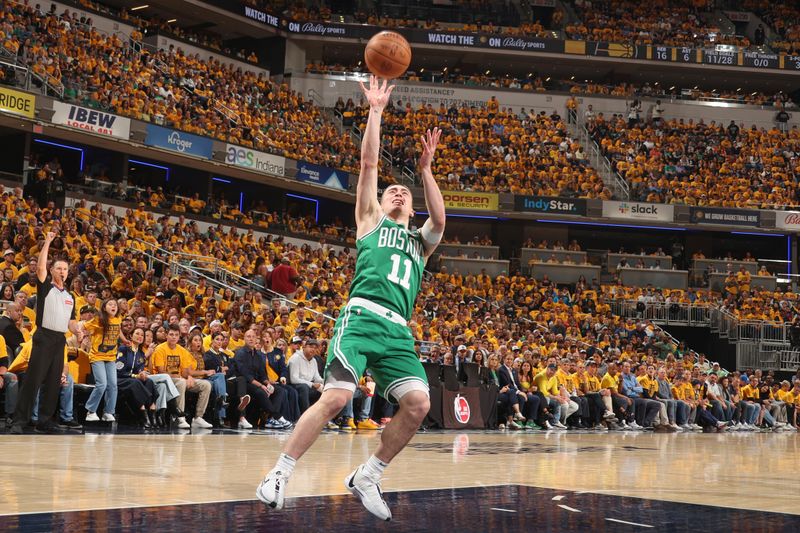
{"points": [[388, 54]]}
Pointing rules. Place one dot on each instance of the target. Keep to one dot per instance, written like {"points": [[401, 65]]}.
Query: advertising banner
{"points": [[482, 201], [544, 204], [787, 220], [728, 217], [254, 160], [17, 102], [325, 176], [91, 120], [639, 211], [179, 141]]}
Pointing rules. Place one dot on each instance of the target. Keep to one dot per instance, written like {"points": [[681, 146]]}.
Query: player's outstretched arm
{"points": [[433, 229], [367, 207]]}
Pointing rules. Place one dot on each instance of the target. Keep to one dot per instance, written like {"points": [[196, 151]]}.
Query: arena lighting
{"points": [[153, 165], [575, 222], [223, 180], [170, 21], [307, 199], [757, 234], [241, 202], [63, 146], [137, 8], [453, 215]]}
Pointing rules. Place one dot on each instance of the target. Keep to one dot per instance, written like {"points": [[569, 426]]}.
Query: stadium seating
{"points": [[178, 90], [684, 162]]}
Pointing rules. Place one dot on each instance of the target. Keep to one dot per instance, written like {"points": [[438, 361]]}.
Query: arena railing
{"points": [[678, 313]]}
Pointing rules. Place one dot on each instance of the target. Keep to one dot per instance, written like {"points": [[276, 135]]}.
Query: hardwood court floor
{"points": [[750, 471]]}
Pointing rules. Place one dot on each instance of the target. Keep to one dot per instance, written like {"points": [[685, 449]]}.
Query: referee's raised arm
{"points": [[41, 265]]}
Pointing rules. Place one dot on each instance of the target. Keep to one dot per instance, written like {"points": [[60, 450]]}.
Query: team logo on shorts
{"points": [[461, 409]]}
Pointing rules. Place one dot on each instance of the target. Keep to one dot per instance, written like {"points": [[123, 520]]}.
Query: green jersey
{"points": [[389, 267]]}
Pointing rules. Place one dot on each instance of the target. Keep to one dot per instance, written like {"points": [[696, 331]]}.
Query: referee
{"points": [[55, 313]]}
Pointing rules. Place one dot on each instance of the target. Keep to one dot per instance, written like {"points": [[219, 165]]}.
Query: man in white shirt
{"points": [[304, 375]]}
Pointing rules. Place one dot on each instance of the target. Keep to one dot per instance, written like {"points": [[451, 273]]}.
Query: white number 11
{"points": [[393, 275]]}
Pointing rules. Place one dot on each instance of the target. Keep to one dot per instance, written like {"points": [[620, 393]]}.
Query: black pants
{"points": [[305, 395], [596, 407], [44, 370], [236, 387], [269, 404], [139, 393]]}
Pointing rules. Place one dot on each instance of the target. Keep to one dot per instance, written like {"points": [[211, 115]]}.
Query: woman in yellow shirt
{"points": [[104, 331]]}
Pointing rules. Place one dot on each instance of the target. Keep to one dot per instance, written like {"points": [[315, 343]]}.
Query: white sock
{"points": [[285, 464], [374, 467]]}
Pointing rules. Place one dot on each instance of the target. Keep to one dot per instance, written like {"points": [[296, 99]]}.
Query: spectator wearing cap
{"points": [[294, 346], [461, 357], [236, 339], [304, 375], [213, 328], [9, 256], [547, 390]]}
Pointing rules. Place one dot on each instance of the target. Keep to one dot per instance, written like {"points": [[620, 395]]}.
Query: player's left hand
{"points": [[429, 143]]}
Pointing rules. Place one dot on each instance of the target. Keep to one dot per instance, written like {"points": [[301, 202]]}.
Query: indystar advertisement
{"points": [[482, 201], [255, 160], [639, 211], [17, 102], [728, 217], [787, 220], [545, 204], [179, 141], [327, 177], [91, 120]]}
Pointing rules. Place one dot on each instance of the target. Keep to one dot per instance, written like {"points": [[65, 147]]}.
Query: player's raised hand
{"points": [[429, 143], [378, 93], [49, 236]]}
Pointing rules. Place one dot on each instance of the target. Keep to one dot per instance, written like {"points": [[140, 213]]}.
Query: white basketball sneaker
{"points": [[271, 491], [369, 491]]}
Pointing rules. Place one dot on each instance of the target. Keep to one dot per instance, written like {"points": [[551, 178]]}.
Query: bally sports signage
{"points": [[482, 201], [724, 216], [179, 141], [255, 160], [91, 120], [787, 220], [639, 211], [544, 204], [325, 176]]}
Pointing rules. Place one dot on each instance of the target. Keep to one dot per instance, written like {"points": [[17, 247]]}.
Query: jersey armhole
{"points": [[373, 230]]}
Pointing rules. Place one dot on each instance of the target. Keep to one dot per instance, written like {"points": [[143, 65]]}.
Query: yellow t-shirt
{"points": [[592, 383], [650, 386], [104, 344], [20, 363], [545, 385], [173, 360], [610, 382]]}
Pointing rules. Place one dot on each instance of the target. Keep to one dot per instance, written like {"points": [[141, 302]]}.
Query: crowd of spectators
{"points": [[171, 88], [193, 321], [146, 25], [784, 18], [664, 22], [586, 87], [699, 163], [492, 149]]}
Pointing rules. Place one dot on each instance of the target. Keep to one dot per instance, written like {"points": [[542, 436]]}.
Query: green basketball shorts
{"points": [[368, 335]]}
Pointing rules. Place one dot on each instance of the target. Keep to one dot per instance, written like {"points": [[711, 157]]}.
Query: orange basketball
{"points": [[388, 55]]}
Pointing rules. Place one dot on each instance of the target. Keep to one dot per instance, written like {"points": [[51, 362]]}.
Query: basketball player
{"points": [[371, 331]]}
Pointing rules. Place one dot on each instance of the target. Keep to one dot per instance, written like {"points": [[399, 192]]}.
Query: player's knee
{"points": [[417, 404], [334, 400]]}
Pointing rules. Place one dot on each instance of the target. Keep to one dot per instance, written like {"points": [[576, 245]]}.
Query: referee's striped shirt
{"points": [[54, 307]]}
